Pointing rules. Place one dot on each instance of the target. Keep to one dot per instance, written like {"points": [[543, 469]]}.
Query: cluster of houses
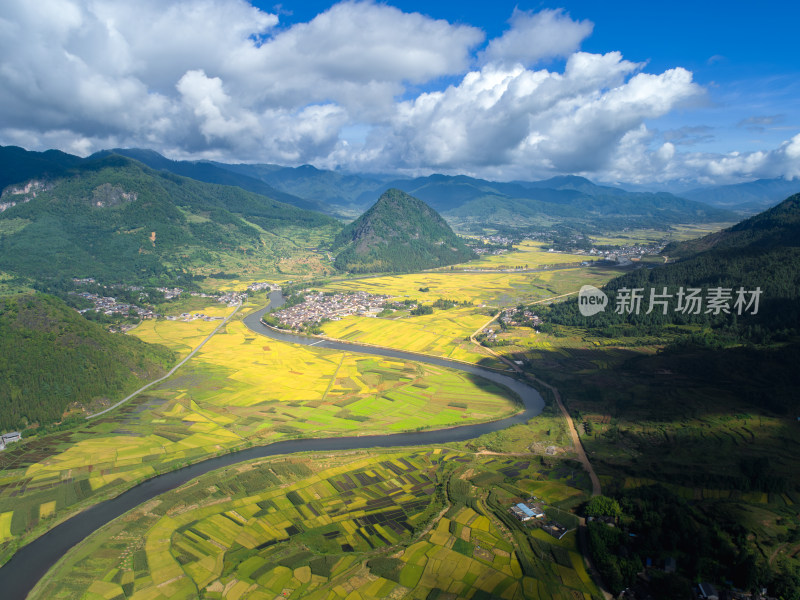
{"points": [[489, 251], [514, 318], [108, 305], [318, 306], [232, 298], [9, 438], [262, 285]]}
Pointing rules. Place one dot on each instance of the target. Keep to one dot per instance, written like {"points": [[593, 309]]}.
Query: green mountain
{"points": [[52, 359], [566, 199], [115, 219], [210, 172], [399, 233], [18, 165], [762, 252], [573, 199], [775, 227], [332, 190]]}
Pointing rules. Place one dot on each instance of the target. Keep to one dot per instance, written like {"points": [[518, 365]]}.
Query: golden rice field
{"points": [[271, 388], [442, 333], [182, 336], [495, 289], [240, 389], [527, 254]]}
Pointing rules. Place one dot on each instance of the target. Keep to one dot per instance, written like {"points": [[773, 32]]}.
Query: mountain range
{"points": [[748, 197], [460, 199]]}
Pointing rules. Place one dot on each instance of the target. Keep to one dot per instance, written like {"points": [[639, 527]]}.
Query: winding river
{"points": [[20, 574]]}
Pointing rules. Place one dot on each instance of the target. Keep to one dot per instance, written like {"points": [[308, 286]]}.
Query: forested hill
{"points": [[398, 233], [778, 226], [18, 165], [118, 220], [51, 358], [569, 199], [762, 252]]}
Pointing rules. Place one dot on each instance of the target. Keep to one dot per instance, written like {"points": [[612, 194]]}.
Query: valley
{"points": [[377, 451]]}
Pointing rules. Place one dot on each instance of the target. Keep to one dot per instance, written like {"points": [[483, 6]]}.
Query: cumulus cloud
{"points": [[205, 75], [543, 120], [537, 36], [222, 79]]}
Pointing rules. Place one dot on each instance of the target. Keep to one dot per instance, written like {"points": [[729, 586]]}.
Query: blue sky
{"points": [[660, 94]]}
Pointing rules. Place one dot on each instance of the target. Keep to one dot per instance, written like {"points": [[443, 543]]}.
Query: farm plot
{"points": [[492, 289], [528, 255], [487, 288], [184, 334], [280, 526]]}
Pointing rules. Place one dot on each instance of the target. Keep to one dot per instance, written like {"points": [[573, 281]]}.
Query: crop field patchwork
{"points": [[676, 233], [324, 527], [182, 335], [527, 254], [494, 289]]}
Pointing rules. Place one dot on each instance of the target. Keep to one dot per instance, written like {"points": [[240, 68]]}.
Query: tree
{"points": [[603, 506]]}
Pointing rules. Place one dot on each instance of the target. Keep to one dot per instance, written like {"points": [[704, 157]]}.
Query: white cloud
{"points": [[537, 36], [222, 79], [540, 120], [205, 74]]}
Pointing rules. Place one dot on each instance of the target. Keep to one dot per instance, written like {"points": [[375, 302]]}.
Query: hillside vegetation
{"points": [[116, 220], [51, 358]]}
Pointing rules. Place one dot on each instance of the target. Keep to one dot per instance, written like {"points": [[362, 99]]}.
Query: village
{"points": [[317, 306], [109, 305]]}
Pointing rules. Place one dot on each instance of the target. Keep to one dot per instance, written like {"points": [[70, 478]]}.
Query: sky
{"points": [[667, 95]]}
